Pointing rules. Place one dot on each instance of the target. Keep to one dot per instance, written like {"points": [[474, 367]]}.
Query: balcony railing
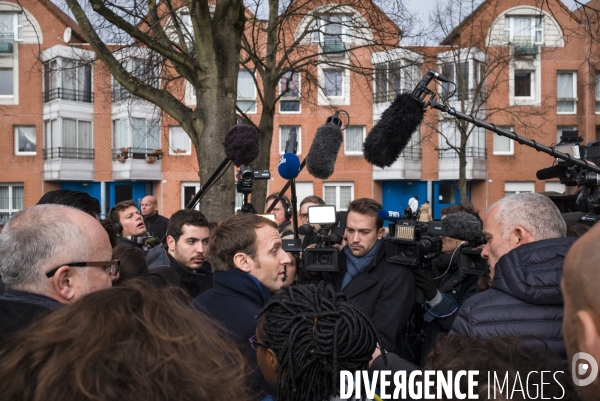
{"points": [[525, 46], [333, 45], [412, 152], [123, 154], [385, 96], [6, 42], [68, 94], [471, 153], [68, 153]]}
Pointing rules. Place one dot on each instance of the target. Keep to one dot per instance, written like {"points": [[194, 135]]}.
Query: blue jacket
{"points": [[525, 298], [235, 300]]}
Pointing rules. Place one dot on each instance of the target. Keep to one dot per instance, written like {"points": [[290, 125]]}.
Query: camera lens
{"points": [[408, 251], [324, 259]]}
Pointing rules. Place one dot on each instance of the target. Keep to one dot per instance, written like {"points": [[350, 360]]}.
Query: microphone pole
{"points": [[284, 189], [224, 166]]}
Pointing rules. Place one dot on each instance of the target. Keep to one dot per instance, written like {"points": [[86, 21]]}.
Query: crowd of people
{"points": [[138, 306]]}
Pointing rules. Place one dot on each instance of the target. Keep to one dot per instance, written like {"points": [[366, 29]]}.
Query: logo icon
{"points": [[579, 368]]}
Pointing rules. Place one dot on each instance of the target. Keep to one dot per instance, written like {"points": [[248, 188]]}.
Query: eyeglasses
{"points": [[303, 216], [255, 344], [111, 265]]}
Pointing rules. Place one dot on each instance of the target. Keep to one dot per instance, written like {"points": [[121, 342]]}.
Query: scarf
{"points": [[145, 241], [355, 265]]}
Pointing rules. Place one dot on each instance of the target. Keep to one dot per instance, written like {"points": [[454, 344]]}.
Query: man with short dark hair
{"points": [[77, 199], [183, 261], [307, 202], [50, 255], [249, 265], [283, 213], [130, 226], [384, 291], [156, 225]]}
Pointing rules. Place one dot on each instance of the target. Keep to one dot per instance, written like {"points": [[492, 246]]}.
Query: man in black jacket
{"points": [[130, 227], [248, 265], [384, 291], [525, 250], [156, 225], [183, 262]]}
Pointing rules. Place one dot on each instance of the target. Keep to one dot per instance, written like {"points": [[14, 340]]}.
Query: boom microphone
{"points": [[241, 145], [320, 160], [462, 226], [289, 164], [393, 131], [551, 172]]}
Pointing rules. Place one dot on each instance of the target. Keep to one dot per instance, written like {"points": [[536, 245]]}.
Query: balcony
{"points": [[524, 46], [68, 164], [406, 167], [476, 168], [6, 42], [137, 164], [68, 94], [333, 47]]}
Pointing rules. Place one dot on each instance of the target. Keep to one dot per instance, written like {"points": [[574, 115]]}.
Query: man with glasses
{"points": [[50, 255]]}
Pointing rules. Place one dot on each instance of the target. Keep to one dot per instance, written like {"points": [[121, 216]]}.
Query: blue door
{"points": [[395, 194], [125, 190], [90, 188], [445, 193]]}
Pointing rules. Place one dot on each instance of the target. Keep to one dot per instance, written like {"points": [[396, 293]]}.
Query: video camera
{"points": [[323, 257], [245, 181]]}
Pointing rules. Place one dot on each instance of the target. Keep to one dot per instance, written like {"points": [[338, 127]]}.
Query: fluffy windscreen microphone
{"points": [[462, 226], [241, 145], [393, 131], [320, 160]]}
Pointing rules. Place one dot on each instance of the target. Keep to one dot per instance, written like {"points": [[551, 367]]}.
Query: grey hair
{"points": [[36, 240], [534, 212]]}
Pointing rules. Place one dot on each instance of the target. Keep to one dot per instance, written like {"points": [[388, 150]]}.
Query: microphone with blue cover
{"points": [[390, 215], [289, 164]]}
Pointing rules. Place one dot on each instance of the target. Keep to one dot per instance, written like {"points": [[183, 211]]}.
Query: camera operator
{"points": [[525, 249], [444, 285], [384, 291]]}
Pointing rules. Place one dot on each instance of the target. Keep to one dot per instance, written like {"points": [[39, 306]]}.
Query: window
{"points": [[6, 82], [69, 80], [11, 199], [68, 139], [333, 83], [560, 130], [554, 186], [284, 133], [523, 84], [246, 92], [289, 86], [142, 135], [597, 90], [188, 191], [304, 189], [523, 30], [145, 69], [478, 73], [566, 92], [354, 138], [179, 142], [11, 30], [459, 74], [447, 194], [518, 187], [24, 140], [504, 146], [338, 194], [450, 136], [333, 30]]}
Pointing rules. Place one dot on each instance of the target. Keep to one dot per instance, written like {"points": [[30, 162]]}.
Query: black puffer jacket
{"points": [[525, 298]]}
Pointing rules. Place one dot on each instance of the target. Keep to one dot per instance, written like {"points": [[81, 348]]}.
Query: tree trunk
{"points": [[462, 169]]}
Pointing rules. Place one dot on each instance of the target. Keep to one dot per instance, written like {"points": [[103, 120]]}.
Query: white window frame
{"points": [[184, 184], [129, 122], [16, 139], [517, 187], [511, 29], [318, 35], [248, 98], [571, 99], [172, 150], [282, 141], [287, 98], [554, 186], [14, 87], [364, 135], [511, 143], [337, 185], [531, 85], [11, 206], [342, 72]]}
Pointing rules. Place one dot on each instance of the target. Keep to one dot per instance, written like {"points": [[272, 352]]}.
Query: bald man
{"points": [[155, 223], [581, 323], [50, 255]]}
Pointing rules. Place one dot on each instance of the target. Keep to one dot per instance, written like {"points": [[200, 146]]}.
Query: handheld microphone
{"points": [[320, 160], [390, 215], [393, 131], [551, 172], [289, 164], [462, 226], [241, 145]]}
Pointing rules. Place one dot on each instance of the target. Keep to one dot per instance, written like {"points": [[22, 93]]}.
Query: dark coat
{"points": [[385, 292], [19, 309], [156, 225], [235, 300], [525, 297], [164, 270]]}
